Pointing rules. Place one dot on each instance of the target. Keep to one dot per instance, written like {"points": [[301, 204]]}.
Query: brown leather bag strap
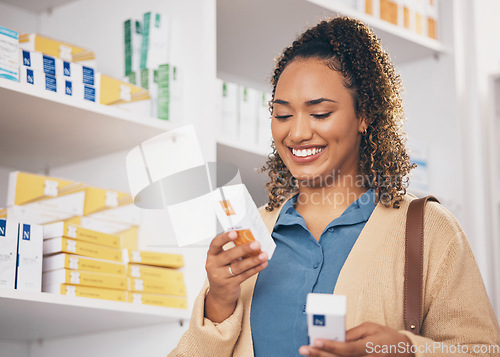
{"points": [[414, 264]]}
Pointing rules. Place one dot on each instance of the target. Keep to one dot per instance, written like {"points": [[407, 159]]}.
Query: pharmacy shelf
{"points": [[29, 316], [40, 130], [402, 44], [253, 33]]}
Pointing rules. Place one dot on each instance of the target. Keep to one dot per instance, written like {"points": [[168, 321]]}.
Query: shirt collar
{"points": [[357, 212]]}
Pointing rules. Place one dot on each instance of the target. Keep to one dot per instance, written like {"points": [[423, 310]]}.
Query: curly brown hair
{"points": [[348, 46]]}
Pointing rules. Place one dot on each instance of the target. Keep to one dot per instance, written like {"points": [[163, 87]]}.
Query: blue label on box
{"points": [[89, 93], [67, 69], [6, 32], [88, 75], [68, 88], [49, 65], [30, 78], [50, 83], [26, 232], [319, 320], [26, 58], [3, 224]]}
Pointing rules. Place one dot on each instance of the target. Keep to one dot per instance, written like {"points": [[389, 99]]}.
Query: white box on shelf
{"points": [[326, 315], [30, 252], [76, 72], [38, 62], [248, 115], [78, 91], [155, 46], [8, 253], [132, 38], [41, 81], [229, 114], [36, 215], [9, 58]]}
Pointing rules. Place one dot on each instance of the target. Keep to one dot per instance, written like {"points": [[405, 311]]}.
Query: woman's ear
{"points": [[362, 125]]}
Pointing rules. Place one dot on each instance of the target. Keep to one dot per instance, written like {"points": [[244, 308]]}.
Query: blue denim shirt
{"points": [[300, 265]]}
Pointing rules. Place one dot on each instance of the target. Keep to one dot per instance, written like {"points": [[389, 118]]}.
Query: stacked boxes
{"points": [[154, 279], [147, 64], [244, 114], [419, 16], [83, 262]]}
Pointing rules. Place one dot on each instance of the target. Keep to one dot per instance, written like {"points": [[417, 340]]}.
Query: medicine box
{"points": [[161, 259], [36, 215], [71, 246], [157, 300], [8, 253], [150, 272], [100, 199], [9, 58], [84, 278], [76, 262], [29, 260], [87, 292], [155, 46], [69, 230], [132, 38], [326, 315], [156, 286]]}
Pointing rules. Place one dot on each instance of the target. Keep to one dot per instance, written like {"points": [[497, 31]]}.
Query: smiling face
{"points": [[314, 124]]}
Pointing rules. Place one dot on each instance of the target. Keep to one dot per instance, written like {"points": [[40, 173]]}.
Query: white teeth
{"points": [[306, 152]]}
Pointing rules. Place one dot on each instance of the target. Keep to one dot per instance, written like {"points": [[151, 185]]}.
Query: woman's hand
{"points": [[226, 270], [367, 339]]}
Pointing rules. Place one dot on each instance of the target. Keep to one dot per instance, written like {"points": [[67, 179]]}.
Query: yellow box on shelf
{"points": [[70, 230], [87, 292], [114, 91], [66, 245], [157, 300], [84, 278], [44, 192], [156, 286], [76, 262], [149, 272], [100, 199], [160, 259], [56, 48]]}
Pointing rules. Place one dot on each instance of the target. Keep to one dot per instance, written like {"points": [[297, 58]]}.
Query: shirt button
{"points": [[331, 229]]}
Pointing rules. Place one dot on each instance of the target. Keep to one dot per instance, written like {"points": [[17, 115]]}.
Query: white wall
{"points": [[10, 349]]}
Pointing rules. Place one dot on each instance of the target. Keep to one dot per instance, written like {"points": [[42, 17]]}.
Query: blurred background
{"points": [[211, 65]]}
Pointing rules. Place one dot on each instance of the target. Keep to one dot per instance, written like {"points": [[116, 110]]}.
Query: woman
{"points": [[337, 212]]}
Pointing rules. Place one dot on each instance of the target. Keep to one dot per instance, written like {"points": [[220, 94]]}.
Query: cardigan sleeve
{"points": [[458, 318], [205, 338]]}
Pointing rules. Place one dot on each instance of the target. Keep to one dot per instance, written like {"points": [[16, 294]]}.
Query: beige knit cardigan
{"points": [[457, 310]]}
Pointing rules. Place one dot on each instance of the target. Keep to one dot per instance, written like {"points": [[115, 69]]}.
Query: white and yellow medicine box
{"points": [[29, 260], [9, 60], [130, 238], [8, 253], [87, 292], [36, 215], [45, 192], [160, 259], [70, 230], [76, 262], [157, 300], [149, 272], [3, 212], [156, 286], [84, 278], [100, 199], [125, 213], [114, 91], [71, 246], [59, 49]]}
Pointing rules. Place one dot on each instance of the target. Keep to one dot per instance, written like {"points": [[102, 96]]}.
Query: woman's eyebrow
{"points": [[319, 100], [280, 101]]}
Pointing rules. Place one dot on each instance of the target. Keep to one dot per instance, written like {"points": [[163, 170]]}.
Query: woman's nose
{"points": [[300, 128]]}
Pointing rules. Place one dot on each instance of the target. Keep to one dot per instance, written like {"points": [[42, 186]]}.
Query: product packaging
{"points": [[8, 253], [326, 315], [159, 259], [87, 292], [71, 246], [29, 257], [84, 278], [132, 38], [76, 262], [9, 58], [156, 286], [157, 300], [69, 230], [155, 46]]}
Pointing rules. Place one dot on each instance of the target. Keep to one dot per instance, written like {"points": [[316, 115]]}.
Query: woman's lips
{"points": [[306, 154]]}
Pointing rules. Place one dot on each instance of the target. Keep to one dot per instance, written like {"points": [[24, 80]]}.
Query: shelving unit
{"points": [[28, 316], [42, 130]]}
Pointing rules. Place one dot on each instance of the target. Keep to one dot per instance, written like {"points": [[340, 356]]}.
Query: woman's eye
{"points": [[282, 117], [321, 116]]}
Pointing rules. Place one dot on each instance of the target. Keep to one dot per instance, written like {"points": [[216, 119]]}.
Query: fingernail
{"points": [[262, 256], [304, 351], [254, 245], [318, 343], [232, 235]]}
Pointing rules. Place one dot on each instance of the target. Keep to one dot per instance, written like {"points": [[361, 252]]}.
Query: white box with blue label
{"points": [[78, 91], [326, 316], [8, 253], [9, 59], [29, 257], [41, 81], [76, 72], [38, 61]]}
